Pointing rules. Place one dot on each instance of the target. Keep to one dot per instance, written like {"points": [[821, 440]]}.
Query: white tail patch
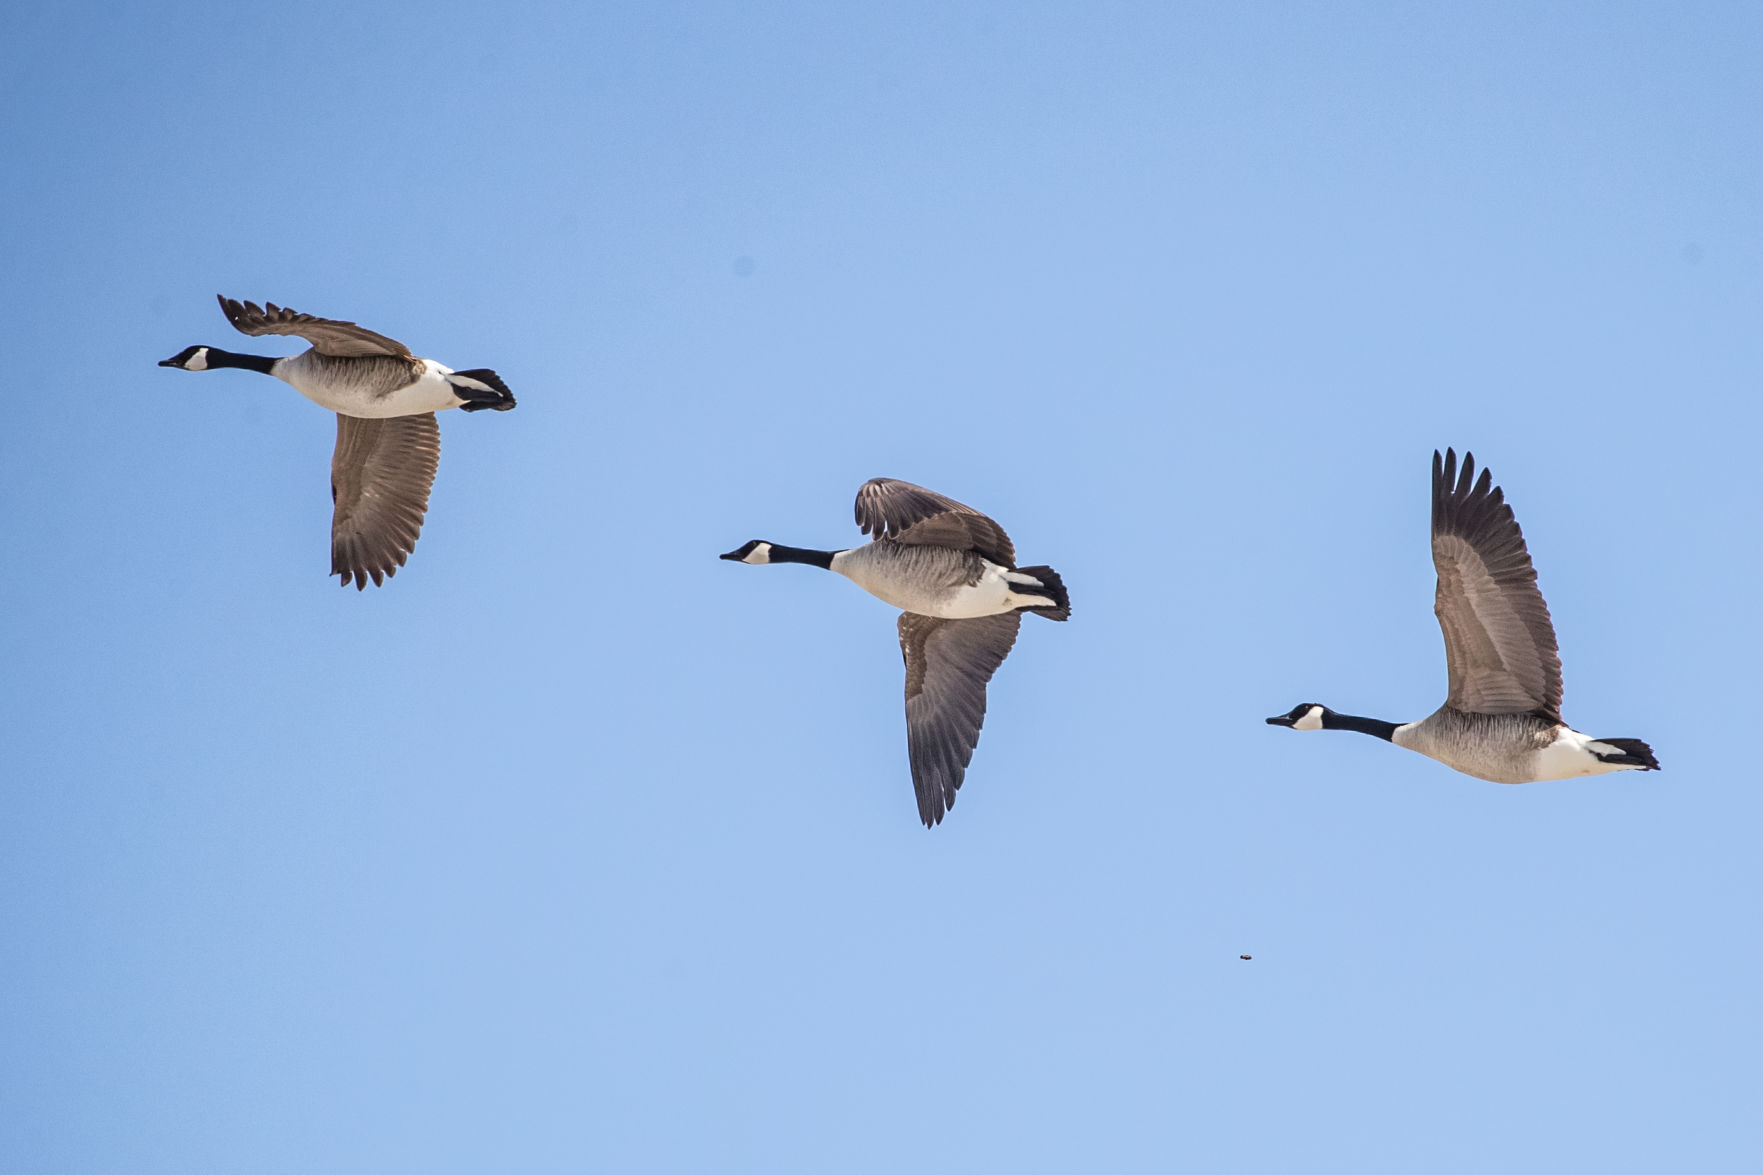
{"points": [[1020, 595], [1574, 754]]}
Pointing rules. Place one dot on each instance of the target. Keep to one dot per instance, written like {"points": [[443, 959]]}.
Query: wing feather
{"points": [[948, 663], [1499, 641], [913, 515], [328, 336], [381, 475]]}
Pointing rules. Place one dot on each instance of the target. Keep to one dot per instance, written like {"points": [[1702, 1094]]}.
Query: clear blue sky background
{"points": [[573, 849]]}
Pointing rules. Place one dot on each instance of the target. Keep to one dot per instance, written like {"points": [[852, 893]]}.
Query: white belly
{"points": [[990, 596], [430, 392]]}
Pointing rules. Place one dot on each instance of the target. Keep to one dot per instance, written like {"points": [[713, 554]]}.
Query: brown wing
{"points": [[380, 479], [1499, 640], [948, 663], [917, 517], [328, 336]]}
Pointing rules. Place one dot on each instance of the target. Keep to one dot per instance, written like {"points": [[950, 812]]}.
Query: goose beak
{"points": [[172, 362], [735, 555], [1280, 720]]}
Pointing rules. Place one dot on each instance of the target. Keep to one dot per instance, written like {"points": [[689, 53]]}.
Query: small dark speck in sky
{"points": [[1245, 956]]}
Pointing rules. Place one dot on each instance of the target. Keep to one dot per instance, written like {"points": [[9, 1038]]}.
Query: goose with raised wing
{"points": [[388, 443], [953, 573], [1501, 720]]}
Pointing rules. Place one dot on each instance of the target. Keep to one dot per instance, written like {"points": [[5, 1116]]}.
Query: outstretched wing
{"points": [[328, 336], [1499, 641], [948, 663], [915, 516], [380, 479]]}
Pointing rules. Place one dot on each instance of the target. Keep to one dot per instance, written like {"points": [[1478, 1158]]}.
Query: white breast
{"points": [[1500, 748]]}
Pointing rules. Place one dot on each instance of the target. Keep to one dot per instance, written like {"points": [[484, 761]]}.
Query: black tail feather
{"points": [[1051, 585], [497, 397], [1634, 753]]}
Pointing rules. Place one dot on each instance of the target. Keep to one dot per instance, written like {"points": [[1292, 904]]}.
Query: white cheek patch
{"points": [[759, 554], [198, 361], [1312, 720]]}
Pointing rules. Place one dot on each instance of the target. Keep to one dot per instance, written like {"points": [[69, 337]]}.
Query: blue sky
{"points": [[574, 849]]}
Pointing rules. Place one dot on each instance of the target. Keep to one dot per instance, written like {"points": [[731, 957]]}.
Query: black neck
{"points": [[781, 554], [1375, 726], [219, 358]]}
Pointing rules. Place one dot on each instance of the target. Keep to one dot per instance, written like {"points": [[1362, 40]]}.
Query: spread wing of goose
{"points": [[388, 443], [952, 572]]}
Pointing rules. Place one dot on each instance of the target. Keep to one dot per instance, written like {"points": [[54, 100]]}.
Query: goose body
{"points": [[1501, 720], [372, 387], [938, 581], [951, 571], [388, 443], [1513, 748]]}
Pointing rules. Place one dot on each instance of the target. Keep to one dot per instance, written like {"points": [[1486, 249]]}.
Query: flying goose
{"points": [[1502, 718], [953, 572], [388, 443]]}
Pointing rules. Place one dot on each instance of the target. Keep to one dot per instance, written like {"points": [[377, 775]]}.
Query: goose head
{"points": [[1304, 716], [190, 359], [757, 551]]}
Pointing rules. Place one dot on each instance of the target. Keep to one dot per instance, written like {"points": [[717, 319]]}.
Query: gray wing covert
{"points": [[328, 336], [381, 475], [899, 510], [948, 663], [1499, 641]]}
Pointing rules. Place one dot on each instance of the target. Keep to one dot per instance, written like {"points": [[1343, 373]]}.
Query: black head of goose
{"points": [[952, 571], [1501, 719], [388, 443]]}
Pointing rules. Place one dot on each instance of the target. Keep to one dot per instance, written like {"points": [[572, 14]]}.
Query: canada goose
{"points": [[1502, 718], [953, 571], [388, 443]]}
